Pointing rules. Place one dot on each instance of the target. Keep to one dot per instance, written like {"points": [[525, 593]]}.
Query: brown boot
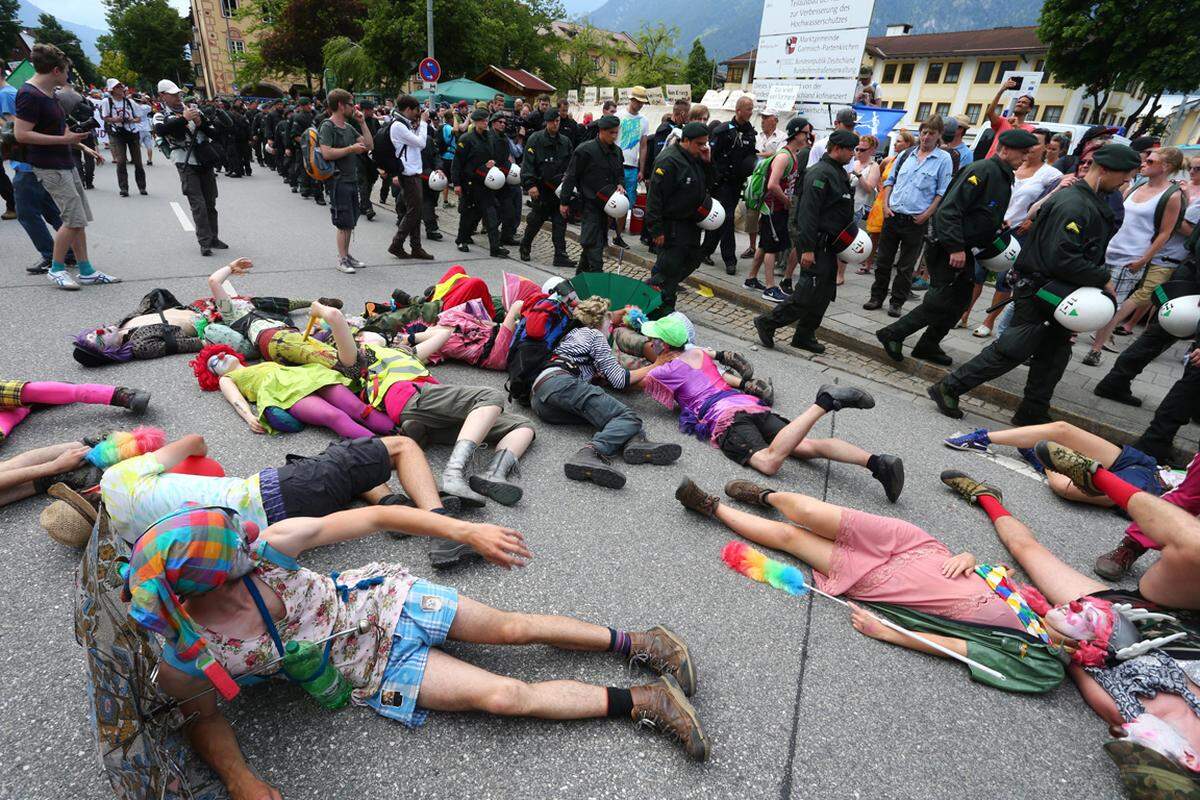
{"points": [[661, 650], [396, 248], [661, 705], [1113, 565], [748, 492], [692, 496], [419, 253], [969, 488]]}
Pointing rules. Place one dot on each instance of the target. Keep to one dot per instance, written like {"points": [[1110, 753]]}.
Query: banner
{"points": [[589, 95], [797, 16], [679, 91], [816, 45], [623, 95], [655, 95], [573, 96], [877, 122], [825, 54], [714, 98], [812, 90], [782, 96]]}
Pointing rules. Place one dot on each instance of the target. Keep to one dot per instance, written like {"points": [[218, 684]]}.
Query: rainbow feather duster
{"points": [[743, 558], [120, 445]]}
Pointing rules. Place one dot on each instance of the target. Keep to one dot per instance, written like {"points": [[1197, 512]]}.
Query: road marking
{"points": [[183, 220], [1017, 465]]}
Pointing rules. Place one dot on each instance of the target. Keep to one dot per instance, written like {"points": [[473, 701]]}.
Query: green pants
{"points": [[593, 236], [944, 302]]}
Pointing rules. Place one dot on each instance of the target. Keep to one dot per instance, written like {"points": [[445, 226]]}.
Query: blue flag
{"points": [[877, 121]]}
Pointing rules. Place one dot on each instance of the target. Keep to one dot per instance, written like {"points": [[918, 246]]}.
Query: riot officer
{"points": [[1065, 244], [970, 216], [471, 163], [597, 169], [283, 147], [678, 189], [431, 160], [302, 120], [547, 154], [826, 209], [367, 173]]}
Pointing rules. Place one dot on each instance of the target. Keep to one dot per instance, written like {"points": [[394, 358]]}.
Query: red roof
{"points": [[523, 80], [743, 58], [957, 43]]}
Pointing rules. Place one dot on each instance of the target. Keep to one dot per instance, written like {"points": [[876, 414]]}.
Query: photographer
{"points": [[42, 127], [185, 137], [82, 117], [120, 117]]}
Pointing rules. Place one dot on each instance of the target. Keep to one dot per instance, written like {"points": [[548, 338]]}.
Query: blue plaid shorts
{"points": [[424, 622]]}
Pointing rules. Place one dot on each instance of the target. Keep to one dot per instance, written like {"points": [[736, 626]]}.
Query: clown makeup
{"points": [[1083, 620], [222, 364], [103, 338]]}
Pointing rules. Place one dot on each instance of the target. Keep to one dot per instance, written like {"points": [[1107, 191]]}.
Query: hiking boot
{"points": [[134, 399], [933, 356], [946, 402], [640, 450], [839, 397], [892, 347], [1114, 564], [663, 706], [1065, 461], [872, 305], [692, 497], [419, 253], [454, 480], [563, 260], [748, 492], [766, 334], [763, 390], [969, 488], [736, 362], [806, 341], [976, 441], [889, 471], [415, 430], [1121, 394], [661, 650], [494, 482], [444, 554], [589, 464]]}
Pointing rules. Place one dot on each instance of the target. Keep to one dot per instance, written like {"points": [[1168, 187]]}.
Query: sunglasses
{"points": [[1194, 169], [861, 149]]}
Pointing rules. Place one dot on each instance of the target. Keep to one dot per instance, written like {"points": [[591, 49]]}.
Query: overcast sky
{"points": [[88, 12]]}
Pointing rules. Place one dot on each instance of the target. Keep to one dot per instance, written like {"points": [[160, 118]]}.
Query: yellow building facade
{"points": [[614, 62], [219, 36]]}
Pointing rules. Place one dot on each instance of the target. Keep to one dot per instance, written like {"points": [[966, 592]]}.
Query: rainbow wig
{"points": [[207, 379], [754, 565], [120, 445]]}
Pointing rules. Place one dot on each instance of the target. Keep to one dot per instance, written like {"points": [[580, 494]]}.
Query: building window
{"points": [[1040, 65], [237, 46], [943, 109], [735, 74], [1033, 111], [934, 73], [889, 73], [1084, 113], [973, 110], [897, 104], [983, 73], [1052, 113], [953, 70], [923, 112], [1005, 66], [612, 67], [228, 7], [906, 71]]}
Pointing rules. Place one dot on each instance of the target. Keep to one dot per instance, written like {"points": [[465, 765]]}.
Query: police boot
{"points": [[396, 248], [526, 245], [805, 340], [494, 482], [454, 480]]}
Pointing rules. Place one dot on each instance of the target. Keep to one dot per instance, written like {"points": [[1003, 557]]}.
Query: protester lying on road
{"points": [[17, 399]]}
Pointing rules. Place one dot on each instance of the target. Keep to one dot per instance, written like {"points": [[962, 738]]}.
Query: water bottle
{"points": [[302, 663]]}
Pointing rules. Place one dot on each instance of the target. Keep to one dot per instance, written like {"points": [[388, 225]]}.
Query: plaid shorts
{"points": [[1124, 281], [10, 393], [424, 622]]}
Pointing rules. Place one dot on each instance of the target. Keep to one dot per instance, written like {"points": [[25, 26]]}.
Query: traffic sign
{"points": [[430, 70]]}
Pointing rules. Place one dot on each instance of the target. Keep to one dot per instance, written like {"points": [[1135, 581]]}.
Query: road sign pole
{"points": [[429, 27]]}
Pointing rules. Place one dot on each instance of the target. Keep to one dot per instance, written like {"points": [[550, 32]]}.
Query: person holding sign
{"points": [[1021, 108]]}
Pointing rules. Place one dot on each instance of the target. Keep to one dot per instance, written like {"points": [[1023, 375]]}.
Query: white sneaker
{"points": [[63, 280], [354, 262], [344, 265], [96, 278], [982, 332]]}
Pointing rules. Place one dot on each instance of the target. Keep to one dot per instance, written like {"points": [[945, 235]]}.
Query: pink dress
{"points": [[886, 560], [470, 338]]}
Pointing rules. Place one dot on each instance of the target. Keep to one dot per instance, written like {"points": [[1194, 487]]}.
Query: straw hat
{"points": [[70, 518]]}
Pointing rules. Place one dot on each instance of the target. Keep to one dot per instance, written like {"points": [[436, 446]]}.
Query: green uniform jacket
{"points": [[593, 167], [472, 153], [500, 152], [546, 159], [678, 186], [972, 212], [826, 205], [1068, 238], [301, 121]]}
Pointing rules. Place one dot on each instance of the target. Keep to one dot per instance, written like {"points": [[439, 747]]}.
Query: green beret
{"points": [[1119, 157], [607, 121], [304, 101], [478, 114], [498, 116], [694, 130], [843, 138], [551, 115], [1018, 139]]}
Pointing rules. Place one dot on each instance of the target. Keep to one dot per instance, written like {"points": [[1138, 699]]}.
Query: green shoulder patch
{"points": [[819, 183]]}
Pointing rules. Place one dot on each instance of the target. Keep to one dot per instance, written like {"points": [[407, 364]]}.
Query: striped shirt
{"points": [[586, 352]]}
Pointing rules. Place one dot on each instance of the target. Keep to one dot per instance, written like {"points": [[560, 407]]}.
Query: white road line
{"points": [[1017, 465], [183, 218]]}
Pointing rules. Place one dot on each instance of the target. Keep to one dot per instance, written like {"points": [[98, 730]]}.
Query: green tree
{"points": [[581, 57], [657, 63], [10, 26], [699, 70], [151, 36], [351, 64], [113, 64], [293, 34], [49, 31]]}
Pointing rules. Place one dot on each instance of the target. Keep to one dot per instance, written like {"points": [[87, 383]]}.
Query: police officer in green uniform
{"points": [[826, 209], [367, 172], [678, 190], [969, 216], [471, 162], [596, 169], [1066, 244], [547, 154], [303, 119]]}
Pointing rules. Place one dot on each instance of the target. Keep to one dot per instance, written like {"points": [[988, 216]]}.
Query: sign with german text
{"points": [[679, 91]]}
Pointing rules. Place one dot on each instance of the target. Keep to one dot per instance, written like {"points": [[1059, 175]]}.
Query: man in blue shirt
{"points": [[911, 194], [956, 129]]}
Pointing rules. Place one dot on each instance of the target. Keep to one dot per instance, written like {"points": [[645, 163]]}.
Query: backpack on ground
{"points": [[527, 357], [755, 193], [314, 163], [383, 152]]}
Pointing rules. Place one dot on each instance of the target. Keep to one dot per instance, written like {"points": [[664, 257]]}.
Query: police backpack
{"points": [[314, 163]]}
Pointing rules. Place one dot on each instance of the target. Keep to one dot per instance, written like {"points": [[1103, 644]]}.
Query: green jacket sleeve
{"points": [[661, 177], [965, 194], [808, 216], [1071, 254]]}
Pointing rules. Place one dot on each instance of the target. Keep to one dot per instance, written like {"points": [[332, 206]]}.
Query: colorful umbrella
{"points": [[619, 290]]}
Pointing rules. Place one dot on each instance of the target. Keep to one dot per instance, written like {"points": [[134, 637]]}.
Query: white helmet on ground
{"points": [[1085, 309], [1000, 255], [617, 206], [438, 180], [514, 175], [494, 179], [712, 214], [853, 245]]}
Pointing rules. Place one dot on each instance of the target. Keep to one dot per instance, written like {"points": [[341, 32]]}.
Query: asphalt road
{"points": [[797, 704]]}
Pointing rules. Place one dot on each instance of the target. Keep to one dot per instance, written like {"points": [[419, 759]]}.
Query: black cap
{"points": [[694, 130], [499, 116], [843, 138], [607, 121], [795, 126], [1119, 157], [367, 104], [1018, 139], [1143, 143], [478, 114], [304, 101], [551, 115]]}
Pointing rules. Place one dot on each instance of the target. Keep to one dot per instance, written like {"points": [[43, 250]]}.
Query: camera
{"points": [[86, 126], [80, 111]]}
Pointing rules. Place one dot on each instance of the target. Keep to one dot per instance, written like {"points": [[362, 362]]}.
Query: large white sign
{"points": [[815, 45], [679, 91], [832, 54], [589, 95], [655, 95], [794, 16], [1027, 83], [714, 98], [812, 90]]}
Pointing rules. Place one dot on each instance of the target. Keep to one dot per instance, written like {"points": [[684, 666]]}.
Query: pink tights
{"points": [[52, 393], [340, 410]]}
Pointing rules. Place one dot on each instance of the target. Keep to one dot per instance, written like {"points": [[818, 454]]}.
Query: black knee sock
{"points": [[620, 702], [873, 464]]}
